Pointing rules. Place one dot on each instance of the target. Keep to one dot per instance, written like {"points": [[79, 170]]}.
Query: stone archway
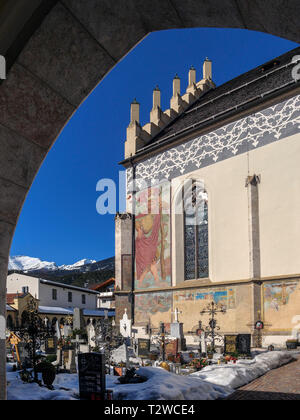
{"points": [[57, 51]]}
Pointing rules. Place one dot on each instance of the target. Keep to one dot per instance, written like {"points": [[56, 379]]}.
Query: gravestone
{"points": [[177, 330], [230, 343], [125, 325], [91, 336], [120, 355], [51, 345], [143, 347], [59, 359], [244, 344], [78, 321], [23, 354], [171, 348], [70, 361], [91, 370]]}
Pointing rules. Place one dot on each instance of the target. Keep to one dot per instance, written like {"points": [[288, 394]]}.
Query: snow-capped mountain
{"points": [[29, 264], [77, 265], [22, 263], [82, 273]]}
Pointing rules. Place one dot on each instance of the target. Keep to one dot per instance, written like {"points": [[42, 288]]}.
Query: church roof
{"points": [[239, 94]]}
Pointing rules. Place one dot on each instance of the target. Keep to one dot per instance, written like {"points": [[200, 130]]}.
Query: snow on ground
{"points": [[244, 371], [213, 382], [162, 385]]}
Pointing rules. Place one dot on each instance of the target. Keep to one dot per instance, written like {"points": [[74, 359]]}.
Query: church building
{"points": [[213, 205]]}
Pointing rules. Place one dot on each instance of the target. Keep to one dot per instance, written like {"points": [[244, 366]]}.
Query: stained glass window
{"points": [[196, 263]]}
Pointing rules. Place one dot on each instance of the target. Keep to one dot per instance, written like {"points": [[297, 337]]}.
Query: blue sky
{"points": [[59, 221]]}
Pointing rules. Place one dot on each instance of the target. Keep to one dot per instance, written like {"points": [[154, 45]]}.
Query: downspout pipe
{"points": [[133, 165]]}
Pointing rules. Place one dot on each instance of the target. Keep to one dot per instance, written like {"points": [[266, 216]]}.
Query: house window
{"points": [[196, 264], [70, 297], [83, 299], [25, 289], [54, 294]]}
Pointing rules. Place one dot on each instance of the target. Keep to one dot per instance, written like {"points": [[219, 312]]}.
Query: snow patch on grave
{"points": [[244, 371]]}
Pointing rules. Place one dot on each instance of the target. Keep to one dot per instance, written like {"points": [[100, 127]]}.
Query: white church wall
{"points": [[227, 218], [279, 205]]}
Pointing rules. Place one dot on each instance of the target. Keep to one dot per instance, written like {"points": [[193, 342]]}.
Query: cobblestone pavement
{"points": [[278, 384]]}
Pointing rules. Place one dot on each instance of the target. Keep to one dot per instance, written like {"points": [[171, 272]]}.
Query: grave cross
{"points": [[176, 313], [77, 343], [212, 310], [258, 327], [202, 336]]}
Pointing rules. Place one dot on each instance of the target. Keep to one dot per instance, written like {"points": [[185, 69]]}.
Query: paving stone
{"points": [[278, 384]]}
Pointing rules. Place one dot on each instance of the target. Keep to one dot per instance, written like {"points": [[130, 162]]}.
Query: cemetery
{"points": [[104, 361]]}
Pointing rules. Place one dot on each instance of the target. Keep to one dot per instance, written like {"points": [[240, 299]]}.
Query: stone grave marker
{"points": [[51, 345], [143, 347], [244, 344], [78, 322], [91, 335], [125, 325], [230, 343], [171, 348], [91, 370], [70, 361]]}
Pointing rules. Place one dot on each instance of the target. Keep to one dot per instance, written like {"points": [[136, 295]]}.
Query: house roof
{"points": [[10, 297], [69, 311], [241, 93], [67, 286], [10, 309], [100, 286]]}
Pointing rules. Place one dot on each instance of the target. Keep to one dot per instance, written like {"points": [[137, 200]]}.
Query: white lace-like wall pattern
{"points": [[261, 128]]}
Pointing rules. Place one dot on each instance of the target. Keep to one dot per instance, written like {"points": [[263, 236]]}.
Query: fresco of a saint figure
{"points": [[152, 238]]}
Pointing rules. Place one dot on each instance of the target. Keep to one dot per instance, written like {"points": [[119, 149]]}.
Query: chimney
{"points": [[207, 69], [156, 98], [176, 86], [134, 112], [192, 76]]}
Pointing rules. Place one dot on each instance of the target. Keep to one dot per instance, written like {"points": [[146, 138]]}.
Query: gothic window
{"points": [[196, 264]]}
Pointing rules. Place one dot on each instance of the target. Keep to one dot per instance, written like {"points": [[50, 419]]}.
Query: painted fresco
{"points": [[277, 295], [149, 304], [152, 238], [223, 296]]}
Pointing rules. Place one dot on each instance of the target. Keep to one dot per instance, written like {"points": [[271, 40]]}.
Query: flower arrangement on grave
{"points": [[198, 364], [191, 355], [179, 358], [64, 342], [230, 358]]}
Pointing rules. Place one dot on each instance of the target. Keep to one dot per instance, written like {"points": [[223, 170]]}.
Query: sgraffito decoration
{"points": [[257, 130]]}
